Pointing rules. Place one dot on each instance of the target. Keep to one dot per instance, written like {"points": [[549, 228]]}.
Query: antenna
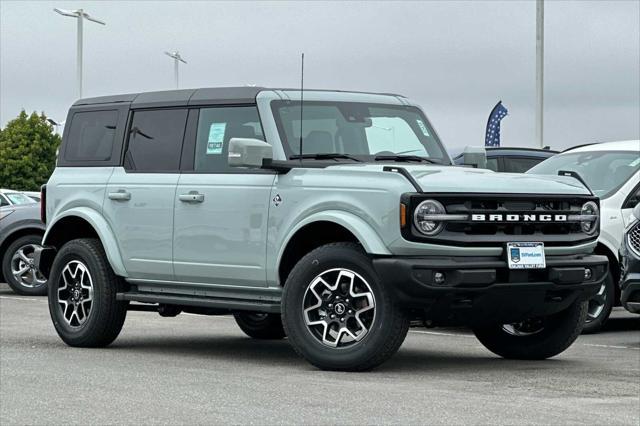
{"points": [[301, 103]]}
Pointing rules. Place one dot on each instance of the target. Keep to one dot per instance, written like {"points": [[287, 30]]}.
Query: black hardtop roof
{"points": [[203, 96], [520, 148]]}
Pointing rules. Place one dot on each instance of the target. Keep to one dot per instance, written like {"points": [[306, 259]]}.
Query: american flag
{"points": [[492, 138]]}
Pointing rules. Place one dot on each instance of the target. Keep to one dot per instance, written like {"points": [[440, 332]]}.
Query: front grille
{"points": [[551, 219], [504, 208], [634, 238]]}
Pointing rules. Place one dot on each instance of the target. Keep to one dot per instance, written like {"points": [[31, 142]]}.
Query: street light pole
{"points": [[540, 73], [176, 59], [79, 53], [80, 15]]}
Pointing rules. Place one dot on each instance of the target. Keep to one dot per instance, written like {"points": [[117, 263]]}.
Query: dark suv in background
{"points": [[512, 160]]}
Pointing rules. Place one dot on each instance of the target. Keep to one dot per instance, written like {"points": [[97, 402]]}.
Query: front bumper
{"points": [[630, 278], [483, 289]]}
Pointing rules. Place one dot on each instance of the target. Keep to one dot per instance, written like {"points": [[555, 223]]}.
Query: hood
{"points": [[434, 178]]}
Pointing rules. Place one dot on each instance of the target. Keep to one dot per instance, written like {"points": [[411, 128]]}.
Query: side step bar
{"points": [[205, 302]]}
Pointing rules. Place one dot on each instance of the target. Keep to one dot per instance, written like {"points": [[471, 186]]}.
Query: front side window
{"points": [[155, 140], [633, 199], [604, 171], [91, 136], [357, 129], [216, 127]]}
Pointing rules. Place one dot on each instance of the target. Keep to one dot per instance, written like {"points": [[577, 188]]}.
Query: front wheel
{"points": [[336, 312], [535, 338]]}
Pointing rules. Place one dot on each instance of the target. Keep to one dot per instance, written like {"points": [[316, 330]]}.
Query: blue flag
{"points": [[492, 138]]}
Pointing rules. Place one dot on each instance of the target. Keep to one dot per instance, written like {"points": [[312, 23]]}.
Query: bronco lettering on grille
{"points": [[518, 218]]}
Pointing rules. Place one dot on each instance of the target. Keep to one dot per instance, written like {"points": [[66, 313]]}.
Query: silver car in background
{"points": [[21, 232]]}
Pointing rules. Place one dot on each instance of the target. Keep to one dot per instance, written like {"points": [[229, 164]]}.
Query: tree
{"points": [[28, 147]]}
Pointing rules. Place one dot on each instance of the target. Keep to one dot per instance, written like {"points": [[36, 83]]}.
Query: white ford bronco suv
{"points": [[337, 222]]}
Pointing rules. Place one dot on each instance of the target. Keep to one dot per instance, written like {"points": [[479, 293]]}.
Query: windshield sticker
{"points": [[216, 138], [635, 162], [422, 127]]}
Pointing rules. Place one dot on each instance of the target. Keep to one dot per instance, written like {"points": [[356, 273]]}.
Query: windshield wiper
{"points": [[324, 156], [405, 158]]}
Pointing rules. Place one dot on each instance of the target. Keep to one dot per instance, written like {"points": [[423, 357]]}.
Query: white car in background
{"points": [[9, 197], [33, 195], [612, 172]]}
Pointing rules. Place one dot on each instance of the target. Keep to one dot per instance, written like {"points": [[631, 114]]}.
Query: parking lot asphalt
{"points": [[194, 369]]}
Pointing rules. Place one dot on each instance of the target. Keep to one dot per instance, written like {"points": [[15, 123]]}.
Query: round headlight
{"points": [[423, 222], [590, 220]]}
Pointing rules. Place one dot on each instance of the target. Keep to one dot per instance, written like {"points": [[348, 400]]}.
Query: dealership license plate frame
{"points": [[526, 255]]}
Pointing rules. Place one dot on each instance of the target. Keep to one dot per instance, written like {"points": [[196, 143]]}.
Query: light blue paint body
{"points": [[237, 236]]}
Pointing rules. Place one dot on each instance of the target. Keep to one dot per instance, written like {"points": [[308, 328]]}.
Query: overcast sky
{"points": [[456, 59]]}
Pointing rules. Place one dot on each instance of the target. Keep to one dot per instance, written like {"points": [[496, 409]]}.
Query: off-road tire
{"points": [[387, 331], [559, 332], [595, 325], [5, 265], [260, 326], [107, 315]]}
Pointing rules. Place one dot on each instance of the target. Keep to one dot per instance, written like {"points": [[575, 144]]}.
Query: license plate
{"points": [[526, 255]]}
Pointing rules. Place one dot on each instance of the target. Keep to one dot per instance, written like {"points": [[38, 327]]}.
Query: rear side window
{"points": [[520, 164], [91, 136], [155, 140], [492, 164]]}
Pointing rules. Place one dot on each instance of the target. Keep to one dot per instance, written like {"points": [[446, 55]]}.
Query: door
{"points": [[220, 229], [139, 199]]}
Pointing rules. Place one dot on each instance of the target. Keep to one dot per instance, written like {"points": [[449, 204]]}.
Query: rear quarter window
{"points": [[91, 136]]}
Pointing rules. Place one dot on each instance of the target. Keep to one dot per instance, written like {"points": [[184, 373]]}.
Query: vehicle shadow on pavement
{"points": [[416, 360], [238, 349], [622, 324], [280, 353]]}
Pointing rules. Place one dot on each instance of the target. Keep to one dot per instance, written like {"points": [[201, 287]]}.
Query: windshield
{"points": [[604, 171], [359, 130], [18, 198]]}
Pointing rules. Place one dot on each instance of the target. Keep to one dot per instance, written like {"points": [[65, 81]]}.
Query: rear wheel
{"points": [[535, 338], [18, 267], [260, 325], [82, 295], [336, 312]]}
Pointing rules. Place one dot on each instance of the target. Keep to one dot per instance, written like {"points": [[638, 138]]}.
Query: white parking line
{"points": [[30, 299], [437, 333], [610, 346]]}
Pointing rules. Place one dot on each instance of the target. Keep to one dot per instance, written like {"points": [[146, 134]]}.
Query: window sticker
{"points": [[422, 127], [216, 138]]}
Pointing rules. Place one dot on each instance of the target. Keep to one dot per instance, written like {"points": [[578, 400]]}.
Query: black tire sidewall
{"points": [[269, 327], [6, 267], [100, 312], [610, 293], [561, 330], [309, 267]]}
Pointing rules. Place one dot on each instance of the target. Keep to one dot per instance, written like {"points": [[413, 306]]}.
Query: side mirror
{"points": [[475, 156], [244, 152]]}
